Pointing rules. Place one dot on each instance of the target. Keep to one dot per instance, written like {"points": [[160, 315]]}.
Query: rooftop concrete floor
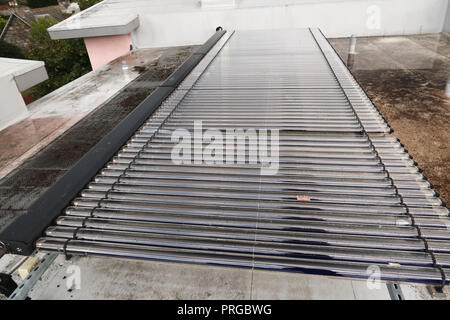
{"points": [[111, 278], [405, 78], [107, 278]]}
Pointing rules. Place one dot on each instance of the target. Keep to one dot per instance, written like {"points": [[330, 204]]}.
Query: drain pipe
{"points": [[351, 52]]}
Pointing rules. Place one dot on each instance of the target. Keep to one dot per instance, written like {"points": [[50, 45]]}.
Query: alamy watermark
{"points": [[73, 280], [373, 281], [373, 21], [230, 146]]}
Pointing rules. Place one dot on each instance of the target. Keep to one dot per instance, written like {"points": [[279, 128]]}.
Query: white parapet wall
{"points": [[157, 23], [17, 75], [218, 4], [12, 106]]}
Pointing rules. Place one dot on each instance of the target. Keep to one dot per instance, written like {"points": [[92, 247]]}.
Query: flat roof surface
{"points": [[56, 112], [114, 279]]}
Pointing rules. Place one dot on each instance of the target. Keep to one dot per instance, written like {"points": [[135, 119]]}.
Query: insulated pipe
{"points": [[352, 46]]}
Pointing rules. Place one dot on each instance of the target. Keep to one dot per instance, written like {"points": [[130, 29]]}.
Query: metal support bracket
{"points": [[21, 292], [436, 292], [395, 291]]}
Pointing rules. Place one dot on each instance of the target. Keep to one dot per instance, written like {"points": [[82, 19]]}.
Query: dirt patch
{"points": [[131, 101], [420, 117], [413, 102]]}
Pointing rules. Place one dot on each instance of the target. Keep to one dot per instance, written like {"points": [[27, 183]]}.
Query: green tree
{"points": [[2, 23], [84, 4], [8, 50], [65, 60], [41, 3]]}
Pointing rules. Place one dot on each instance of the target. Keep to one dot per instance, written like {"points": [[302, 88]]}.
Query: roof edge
{"points": [[63, 29], [56, 34]]}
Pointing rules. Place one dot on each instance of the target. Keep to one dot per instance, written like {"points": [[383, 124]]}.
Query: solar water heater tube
{"points": [[346, 199]]}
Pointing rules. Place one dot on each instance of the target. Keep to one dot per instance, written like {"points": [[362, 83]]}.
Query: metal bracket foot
{"points": [[22, 290], [395, 291], [436, 292]]}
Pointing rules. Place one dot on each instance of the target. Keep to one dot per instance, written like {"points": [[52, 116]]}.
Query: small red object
{"points": [[303, 198]]}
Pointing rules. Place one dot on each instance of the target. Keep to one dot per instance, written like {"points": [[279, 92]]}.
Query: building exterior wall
{"points": [[101, 50], [170, 27]]}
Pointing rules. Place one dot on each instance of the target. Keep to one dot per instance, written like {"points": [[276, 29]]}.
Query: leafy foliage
{"points": [[41, 3], [2, 23], [8, 50], [65, 60], [84, 4]]}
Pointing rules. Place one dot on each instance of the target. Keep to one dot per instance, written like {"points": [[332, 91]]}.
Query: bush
{"points": [[41, 3], [65, 60], [2, 23], [84, 4], [5, 2], [8, 50]]}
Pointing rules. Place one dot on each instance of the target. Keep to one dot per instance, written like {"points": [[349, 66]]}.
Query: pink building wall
{"points": [[102, 50]]}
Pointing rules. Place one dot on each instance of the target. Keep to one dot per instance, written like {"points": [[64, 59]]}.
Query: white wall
{"points": [[12, 106], [336, 18]]}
